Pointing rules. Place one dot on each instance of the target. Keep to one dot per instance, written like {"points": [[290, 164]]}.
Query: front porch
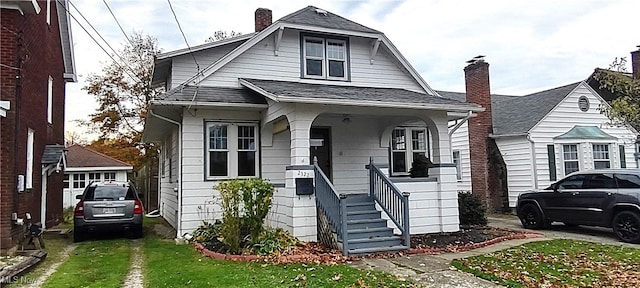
{"points": [[358, 190]]}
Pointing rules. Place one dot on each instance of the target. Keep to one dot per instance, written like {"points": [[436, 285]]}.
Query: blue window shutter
{"points": [[551, 154]]}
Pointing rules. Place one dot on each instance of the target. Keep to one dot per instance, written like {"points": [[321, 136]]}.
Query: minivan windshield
{"points": [[109, 193]]}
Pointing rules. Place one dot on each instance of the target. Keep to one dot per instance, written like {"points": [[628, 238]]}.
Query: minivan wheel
{"points": [[626, 225], [531, 217]]}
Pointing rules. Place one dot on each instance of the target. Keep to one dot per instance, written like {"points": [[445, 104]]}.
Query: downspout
{"points": [[179, 192], [534, 168], [458, 125]]}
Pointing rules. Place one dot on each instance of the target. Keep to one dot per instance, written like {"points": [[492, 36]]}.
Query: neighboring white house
{"points": [[312, 84], [85, 166], [546, 135]]}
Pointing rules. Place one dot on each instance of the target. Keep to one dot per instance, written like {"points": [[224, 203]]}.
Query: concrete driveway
{"points": [[560, 231]]}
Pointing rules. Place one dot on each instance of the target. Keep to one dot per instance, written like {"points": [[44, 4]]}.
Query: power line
{"points": [[183, 36], [114, 18], [105, 41]]}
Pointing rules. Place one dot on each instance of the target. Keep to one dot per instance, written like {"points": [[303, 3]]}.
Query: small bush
{"points": [[274, 241], [230, 194], [471, 210], [256, 197]]}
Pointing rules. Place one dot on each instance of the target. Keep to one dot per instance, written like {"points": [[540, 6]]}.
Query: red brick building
{"points": [[35, 64]]}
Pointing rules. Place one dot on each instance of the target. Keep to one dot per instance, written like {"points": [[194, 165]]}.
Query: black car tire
{"points": [[78, 236], [626, 225], [137, 233], [531, 217]]}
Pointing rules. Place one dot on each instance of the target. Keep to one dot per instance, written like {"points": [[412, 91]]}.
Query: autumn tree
{"points": [[221, 35], [123, 92], [625, 109]]}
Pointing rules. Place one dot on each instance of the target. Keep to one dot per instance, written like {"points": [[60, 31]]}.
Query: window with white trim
{"points": [[456, 161], [601, 156], [50, 100], [79, 181], [49, 12], [65, 181], [324, 58], [232, 150], [29, 170], [402, 154], [94, 177], [570, 158], [109, 176]]}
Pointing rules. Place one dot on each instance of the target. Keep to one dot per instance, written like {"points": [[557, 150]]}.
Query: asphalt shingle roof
{"points": [[78, 156], [513, 115], [309, 16], [52, 154], [213, 94], [336, 92]]}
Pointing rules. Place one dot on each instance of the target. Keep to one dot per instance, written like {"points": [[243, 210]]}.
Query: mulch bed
{"points": [[312, 252]]}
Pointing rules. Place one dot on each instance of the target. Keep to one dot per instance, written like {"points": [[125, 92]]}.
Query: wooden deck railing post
{"points": [[343, 223]]}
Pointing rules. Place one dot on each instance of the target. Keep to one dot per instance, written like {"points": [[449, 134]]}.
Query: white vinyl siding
{"points": [[460, 142], [259, 62], [516, 152], [29, 170]]}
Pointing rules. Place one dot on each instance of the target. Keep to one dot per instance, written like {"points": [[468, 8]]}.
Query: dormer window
{"points": [[324, 58]]}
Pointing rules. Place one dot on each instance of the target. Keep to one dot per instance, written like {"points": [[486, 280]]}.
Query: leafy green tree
{"points": [[625, 109], [123, 92]]}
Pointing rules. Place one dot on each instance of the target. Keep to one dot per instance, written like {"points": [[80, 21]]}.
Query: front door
{"points": [[320, 142]]}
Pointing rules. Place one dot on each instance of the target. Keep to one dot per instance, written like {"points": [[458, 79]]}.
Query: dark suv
{"points": [[606, 198], [108, 206]]}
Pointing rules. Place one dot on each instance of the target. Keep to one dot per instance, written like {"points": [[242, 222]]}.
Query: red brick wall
{"points": [[262, 19], [635, 63], [479, 92], [30, 43]]}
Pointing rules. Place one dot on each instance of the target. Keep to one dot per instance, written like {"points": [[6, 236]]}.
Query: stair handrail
{"points": [[392, 201], [333, 205]]}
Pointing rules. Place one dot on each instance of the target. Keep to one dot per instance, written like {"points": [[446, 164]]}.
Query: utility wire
{"points": [[105, 41], [183, 36], [117, 22]]}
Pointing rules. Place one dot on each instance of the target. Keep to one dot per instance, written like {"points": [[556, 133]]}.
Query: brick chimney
{"points": [[476, 77], [263, 19], [635, 63]]}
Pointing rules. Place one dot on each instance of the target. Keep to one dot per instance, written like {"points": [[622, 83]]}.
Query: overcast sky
{"points": [[530, 45]]}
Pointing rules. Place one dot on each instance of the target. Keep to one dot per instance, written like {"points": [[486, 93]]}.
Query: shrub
{"points": [[256, 197], [471, 209], [230, 230], [420, 166], [207, 232], [67, 214], [274, 241]]}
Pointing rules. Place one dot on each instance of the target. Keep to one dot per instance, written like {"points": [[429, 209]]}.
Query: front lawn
{"points": [[171, 265], [558, 263]]}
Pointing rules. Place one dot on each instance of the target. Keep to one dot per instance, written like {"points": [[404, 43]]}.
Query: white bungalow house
{"points": [[310, 85], [540, 138], [85, 166]]}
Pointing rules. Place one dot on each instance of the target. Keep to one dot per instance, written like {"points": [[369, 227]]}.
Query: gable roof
{"points": [[53, 154], [282, 91], [295, 20], [81, 157], [516, 115], [314, 16]]}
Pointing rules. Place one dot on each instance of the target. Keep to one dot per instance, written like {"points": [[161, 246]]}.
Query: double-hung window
{"points": [[232, 150], [324, 58], [570, 158], [601, 159], [402, 152]]}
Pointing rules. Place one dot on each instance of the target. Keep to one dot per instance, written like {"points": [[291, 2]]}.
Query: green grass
{"points": [[558, 263], [99, 263], [55, 245]]}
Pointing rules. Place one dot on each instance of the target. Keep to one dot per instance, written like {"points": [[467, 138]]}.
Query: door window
{"points": [[573, 182], [599, 181], [628, 181]]}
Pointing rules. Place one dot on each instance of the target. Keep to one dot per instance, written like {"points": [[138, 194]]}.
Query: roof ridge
{"points": [[100, 154]]}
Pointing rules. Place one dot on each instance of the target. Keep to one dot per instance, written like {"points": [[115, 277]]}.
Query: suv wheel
{"points": [[626, 225], [78, 236], [531, 217]]}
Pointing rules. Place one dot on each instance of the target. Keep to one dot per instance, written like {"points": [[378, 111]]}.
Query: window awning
{"points": [[586, 133], [54, 156]]}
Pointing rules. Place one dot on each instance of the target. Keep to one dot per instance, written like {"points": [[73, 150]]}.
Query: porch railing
{"points": [[389, 197], [333, 205]]}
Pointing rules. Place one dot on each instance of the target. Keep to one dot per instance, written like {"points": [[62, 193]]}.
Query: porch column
{"points": [[445, 172], [299, 176]]}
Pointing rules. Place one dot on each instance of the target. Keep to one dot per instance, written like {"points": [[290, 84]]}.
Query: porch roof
{"points": [[195, 95], [282, 91]]}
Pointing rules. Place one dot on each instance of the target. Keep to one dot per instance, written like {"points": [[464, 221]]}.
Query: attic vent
{"points": [[321, 12], [583, 104]]}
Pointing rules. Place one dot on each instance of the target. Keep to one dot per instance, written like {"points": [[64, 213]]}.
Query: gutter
{"points": [[179, 188], [534, 170], [464, 120]]}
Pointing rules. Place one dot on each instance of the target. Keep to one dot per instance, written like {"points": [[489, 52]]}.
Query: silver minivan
{"points": [[106, 206]]}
